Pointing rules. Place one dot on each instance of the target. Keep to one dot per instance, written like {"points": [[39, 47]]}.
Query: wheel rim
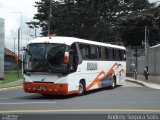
{"points": [[113, 84], [80, 88]]}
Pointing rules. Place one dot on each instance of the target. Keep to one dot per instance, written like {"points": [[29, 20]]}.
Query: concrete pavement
{"points": [[151, 83]]}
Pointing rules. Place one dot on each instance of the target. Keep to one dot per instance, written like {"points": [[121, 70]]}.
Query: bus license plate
{"points": [[42, 88]]}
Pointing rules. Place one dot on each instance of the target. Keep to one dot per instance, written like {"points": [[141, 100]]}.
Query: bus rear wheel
{"points": [[114, 84], [81, 88]]}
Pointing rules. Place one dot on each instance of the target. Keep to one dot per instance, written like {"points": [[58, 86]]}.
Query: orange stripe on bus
{"points": [[98, 80]]}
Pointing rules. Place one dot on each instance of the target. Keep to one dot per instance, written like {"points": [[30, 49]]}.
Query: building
{"points": [[9, 60], [2, 37]]}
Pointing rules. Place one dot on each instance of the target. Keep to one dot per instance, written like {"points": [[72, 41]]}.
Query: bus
{"points": [[68, 65]]}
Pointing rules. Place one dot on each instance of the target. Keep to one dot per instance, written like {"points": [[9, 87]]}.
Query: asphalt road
{"points": [[130, 98]]}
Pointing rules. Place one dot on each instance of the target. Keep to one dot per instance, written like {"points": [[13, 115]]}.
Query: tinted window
{"points": [[110, 53], [84, 49], [116, 53], [94, 52], [103, 53], [73, 58], [42, 57], [123, 55]]}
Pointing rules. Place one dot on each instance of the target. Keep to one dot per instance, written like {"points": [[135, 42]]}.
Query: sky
{"points": [[12, 11]]}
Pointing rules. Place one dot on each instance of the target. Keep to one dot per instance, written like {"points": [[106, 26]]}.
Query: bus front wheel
{"points": [[81, 88]]}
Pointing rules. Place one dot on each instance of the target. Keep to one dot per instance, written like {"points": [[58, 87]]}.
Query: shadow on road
{"points": [[101, 89]]}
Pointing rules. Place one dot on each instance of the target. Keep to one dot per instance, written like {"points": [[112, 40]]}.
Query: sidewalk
{"points": [[151, 79], [153, 83], [12, 84]]}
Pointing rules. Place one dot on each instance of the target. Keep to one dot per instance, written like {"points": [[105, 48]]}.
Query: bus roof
{"points": [[70, 40]]}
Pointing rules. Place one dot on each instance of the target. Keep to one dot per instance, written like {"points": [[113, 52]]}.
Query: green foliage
{"points": [[11, 76], [101, 20]]}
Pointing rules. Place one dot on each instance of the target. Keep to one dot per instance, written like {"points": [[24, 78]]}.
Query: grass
{"points": [[11, 76]]}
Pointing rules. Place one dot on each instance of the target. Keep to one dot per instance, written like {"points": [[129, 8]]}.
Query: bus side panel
{"points": [[101, 77], [73, 82]]}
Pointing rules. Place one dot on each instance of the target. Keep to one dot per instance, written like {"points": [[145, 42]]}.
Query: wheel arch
{"points": [[114, 81], [84, 81], [115, 77]]}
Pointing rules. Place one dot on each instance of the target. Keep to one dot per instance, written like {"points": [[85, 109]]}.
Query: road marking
{"points": [[22, 103], [80, 110], [8, 88], [4, 98]]}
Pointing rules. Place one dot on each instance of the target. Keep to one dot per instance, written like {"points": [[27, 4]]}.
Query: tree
{"points": [[99, 20], [133, 26], [33, 25]]}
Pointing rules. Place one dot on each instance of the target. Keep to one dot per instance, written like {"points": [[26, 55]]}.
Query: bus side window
{"points": [[110, 55], [123, 55], [99, 52], [103, 53], [117, 58], [73, 58], [84, 49], [107, 53], [120, 55], [113, 54], [94, 52]]}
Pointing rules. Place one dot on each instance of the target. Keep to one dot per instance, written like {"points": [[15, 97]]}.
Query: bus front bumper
{"points": [[47, 88]]}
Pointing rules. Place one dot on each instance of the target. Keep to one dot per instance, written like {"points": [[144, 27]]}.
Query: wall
{"points": [[1, 48], [152, 60]]}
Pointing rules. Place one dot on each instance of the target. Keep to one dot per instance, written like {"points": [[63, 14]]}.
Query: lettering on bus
{"points": [[92, 66]]}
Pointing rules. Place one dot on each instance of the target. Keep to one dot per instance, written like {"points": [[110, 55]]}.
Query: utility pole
{"points": [[14, 46], [136, 67], [18, 49], [145, 45], [148, 38]]}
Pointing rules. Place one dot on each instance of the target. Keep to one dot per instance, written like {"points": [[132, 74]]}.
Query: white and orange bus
{"points": [[68, 65]]}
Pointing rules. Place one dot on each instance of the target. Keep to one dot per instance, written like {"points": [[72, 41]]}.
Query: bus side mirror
{"points": [[66, 57]]}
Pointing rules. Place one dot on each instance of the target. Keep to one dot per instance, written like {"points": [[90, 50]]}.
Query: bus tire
{"points": [[82, 88], [114, 83]]}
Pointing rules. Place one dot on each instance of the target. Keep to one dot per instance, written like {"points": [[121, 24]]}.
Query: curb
{"points": [[137, 82], [148, 85], [11, 87], [12, 84]]}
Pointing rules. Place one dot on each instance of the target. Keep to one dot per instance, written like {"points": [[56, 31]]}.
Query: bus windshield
{"points": [[45, 57]]}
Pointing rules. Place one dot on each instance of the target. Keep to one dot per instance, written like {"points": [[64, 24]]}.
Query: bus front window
{"points": [[42, 57]]}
